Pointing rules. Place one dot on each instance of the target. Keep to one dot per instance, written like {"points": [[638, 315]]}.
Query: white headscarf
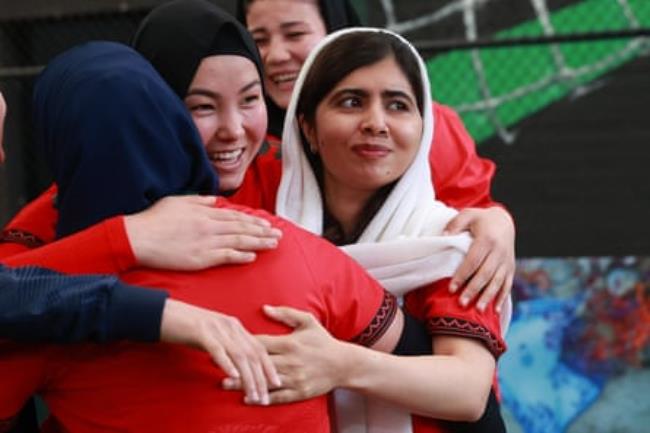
{"points": [[402, 246]]}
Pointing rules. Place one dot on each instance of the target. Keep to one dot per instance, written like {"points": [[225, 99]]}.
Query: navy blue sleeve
{"points": [[41, 305]]}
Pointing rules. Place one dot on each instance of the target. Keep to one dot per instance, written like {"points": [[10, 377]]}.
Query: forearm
{"points": [[449, 387], [40, 305]]}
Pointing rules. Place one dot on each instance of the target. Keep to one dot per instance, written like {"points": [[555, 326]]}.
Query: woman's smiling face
{"points": [[285, 32], [367, 129], [227, 105]]}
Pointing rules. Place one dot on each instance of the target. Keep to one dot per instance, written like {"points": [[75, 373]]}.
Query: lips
{"points": [[371, 151], [283, 79], [226, 159]]}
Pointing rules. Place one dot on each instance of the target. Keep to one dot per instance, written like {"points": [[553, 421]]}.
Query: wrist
{"points": [[133, 226], [355, 364], [177, 324]]}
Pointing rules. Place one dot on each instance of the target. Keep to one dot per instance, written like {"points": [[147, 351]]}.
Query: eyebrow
{"points": [[283, 26], [397, 94], [209, 93], [387, 94]]}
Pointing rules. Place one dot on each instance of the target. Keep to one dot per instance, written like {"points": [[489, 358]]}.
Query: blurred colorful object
{"points": [[580, 335]]}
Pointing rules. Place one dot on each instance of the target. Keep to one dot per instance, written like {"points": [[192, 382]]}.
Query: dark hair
{"points": [[349, 53], [336, 14]]}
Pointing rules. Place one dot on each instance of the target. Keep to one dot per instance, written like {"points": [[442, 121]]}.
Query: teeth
{"points": [[282, 78], [228, 156]]}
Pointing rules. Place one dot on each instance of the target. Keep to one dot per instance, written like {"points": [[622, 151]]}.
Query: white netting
{"points": [[563, 73]]}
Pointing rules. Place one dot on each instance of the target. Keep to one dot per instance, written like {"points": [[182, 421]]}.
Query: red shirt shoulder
{"points": [[461, 178]]}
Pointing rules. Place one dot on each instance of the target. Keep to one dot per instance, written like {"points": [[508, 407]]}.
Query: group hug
{"points": [[257, 223]]}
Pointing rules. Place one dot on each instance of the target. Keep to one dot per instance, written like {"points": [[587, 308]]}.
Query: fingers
{"points": [[277, 395], [247, 355], [481, 281], [201, 200], [249, 382], [227, 257], [269, 370], [221, 358], [459, 223], [246, 240], [232, 221], [233, 215], [274, 344], [283, 396], [240, 355], [492, 289], [505, 291], [470, 266], [289, 316]]}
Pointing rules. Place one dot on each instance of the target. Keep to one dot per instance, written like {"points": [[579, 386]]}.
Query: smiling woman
{"points": [[226, 102], [354, 171], [212, 63], [369, 132], [285, 32]]}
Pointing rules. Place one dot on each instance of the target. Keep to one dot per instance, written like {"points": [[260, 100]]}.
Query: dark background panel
{"points": [[576, 178]]}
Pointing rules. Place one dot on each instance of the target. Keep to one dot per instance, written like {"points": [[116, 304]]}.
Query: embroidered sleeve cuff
{"points": [[380, 323], [465, 328]]}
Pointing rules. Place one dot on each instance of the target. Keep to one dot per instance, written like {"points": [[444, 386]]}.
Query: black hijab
{"points": [[336, 14], [176, 36], [114, 135]]}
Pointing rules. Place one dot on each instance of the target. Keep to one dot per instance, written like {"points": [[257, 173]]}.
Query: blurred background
{"points": [[557, 93]]}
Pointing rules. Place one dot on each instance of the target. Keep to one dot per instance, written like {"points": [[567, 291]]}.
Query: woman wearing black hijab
{"points": [[208, 58]]}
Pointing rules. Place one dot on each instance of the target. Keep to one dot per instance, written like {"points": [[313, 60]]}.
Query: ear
{"points": [[309, 132]]}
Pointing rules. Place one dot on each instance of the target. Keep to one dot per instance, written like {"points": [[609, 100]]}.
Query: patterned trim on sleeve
{"points": [[464, 328], [21, 237], [380, 323]]}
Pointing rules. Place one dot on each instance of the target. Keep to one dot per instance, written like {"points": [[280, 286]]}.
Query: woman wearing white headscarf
{"points": [[355, 170]]}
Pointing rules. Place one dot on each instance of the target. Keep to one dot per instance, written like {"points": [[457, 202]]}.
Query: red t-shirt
{"points": [[145, 387]]}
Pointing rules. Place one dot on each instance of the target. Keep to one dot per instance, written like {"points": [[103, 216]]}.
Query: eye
{"points": [[251, 99], [200, 108], [398, 105], [261, 41], [350, 102], [295, 35]]}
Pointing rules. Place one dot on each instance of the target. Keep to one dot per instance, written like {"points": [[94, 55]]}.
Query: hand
{"points": [[188, 233], [489, 266], [3, 115], [309, 360], [232, 348]]}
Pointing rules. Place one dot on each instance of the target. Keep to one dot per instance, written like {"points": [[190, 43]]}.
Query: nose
{"points": [[277, 51], [374, 120], [230, 126]]}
